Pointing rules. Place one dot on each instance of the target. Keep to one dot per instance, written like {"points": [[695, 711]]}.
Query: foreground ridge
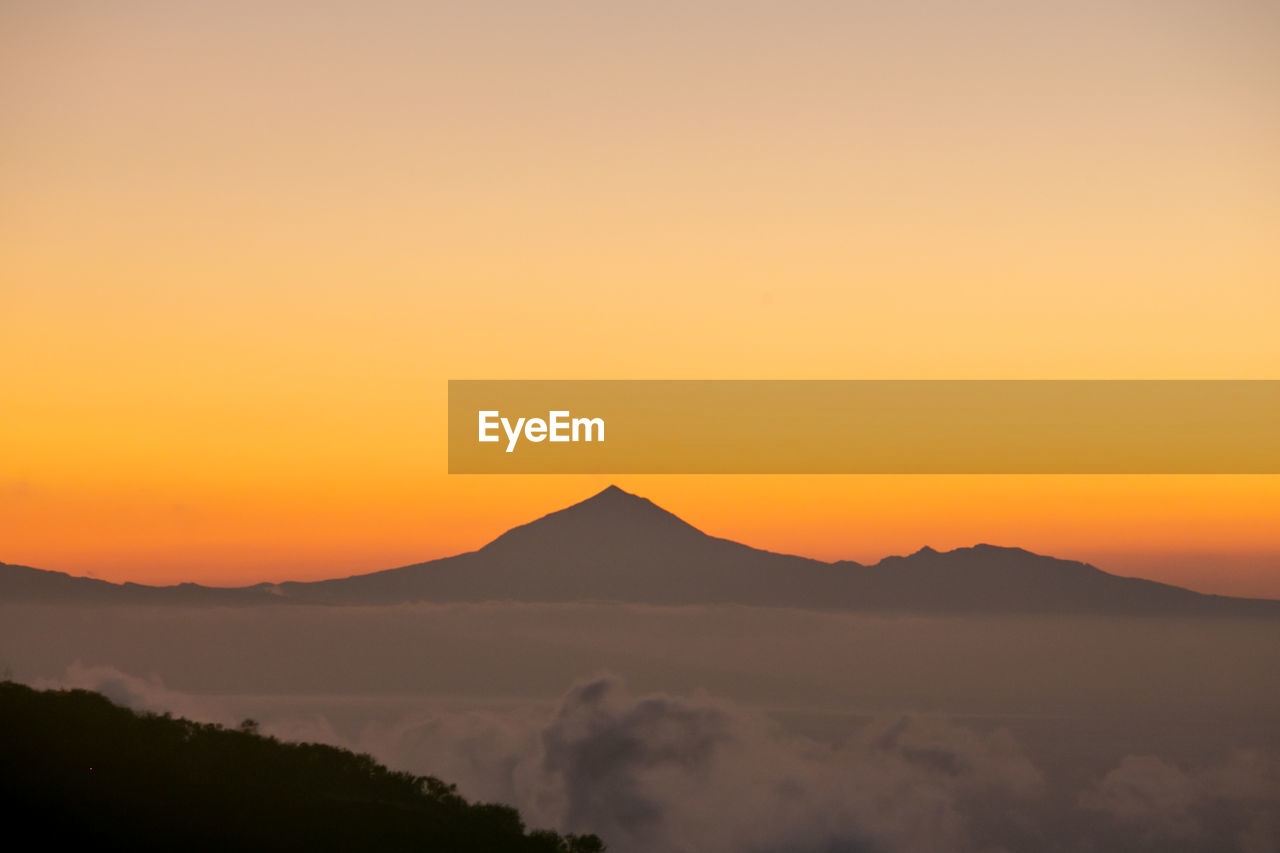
{"points": [[76, 769]]}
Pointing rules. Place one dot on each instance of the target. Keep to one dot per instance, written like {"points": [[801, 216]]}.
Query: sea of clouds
{"points": [[654, 772]]}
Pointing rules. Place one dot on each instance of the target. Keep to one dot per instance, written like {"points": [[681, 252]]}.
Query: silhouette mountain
{"points": [[616, 546], [23, 583]]}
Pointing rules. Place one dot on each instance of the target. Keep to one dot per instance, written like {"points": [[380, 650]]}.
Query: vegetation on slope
{"points": [[74, 768]]}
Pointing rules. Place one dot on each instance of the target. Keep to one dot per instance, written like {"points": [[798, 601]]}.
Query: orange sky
{"points": [[242, 250]]}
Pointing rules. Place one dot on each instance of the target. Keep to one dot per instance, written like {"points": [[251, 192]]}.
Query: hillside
{"points": [[76, 770]]}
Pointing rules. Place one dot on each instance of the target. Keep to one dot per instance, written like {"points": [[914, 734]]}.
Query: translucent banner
{"points": [[864, 427]]}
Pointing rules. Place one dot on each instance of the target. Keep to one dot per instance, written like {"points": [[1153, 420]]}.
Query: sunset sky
{"points": [[244, 245]]}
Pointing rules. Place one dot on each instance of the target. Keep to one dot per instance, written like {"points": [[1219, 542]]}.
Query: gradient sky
{"points": [[244, 245]]}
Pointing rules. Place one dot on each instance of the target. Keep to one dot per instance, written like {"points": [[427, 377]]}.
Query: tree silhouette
{"points": [[78, 770]]}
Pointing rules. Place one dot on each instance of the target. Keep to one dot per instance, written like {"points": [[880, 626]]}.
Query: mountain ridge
{"points": [[619, 547]]}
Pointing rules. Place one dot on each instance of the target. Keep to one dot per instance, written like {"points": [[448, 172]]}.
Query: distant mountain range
{"points": [[619, 547]]}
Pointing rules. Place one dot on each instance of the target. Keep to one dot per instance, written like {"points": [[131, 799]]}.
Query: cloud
{"points": [[664, 773], [1150, 792], [1162, 802], [139, 694]]}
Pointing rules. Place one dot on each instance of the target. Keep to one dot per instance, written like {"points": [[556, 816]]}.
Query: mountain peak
{"points": [[613, 493], [610, 518], [615, 501]]}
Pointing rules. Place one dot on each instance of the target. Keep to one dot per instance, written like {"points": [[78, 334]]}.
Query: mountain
{"points": [[23, 583], [616, 546]]}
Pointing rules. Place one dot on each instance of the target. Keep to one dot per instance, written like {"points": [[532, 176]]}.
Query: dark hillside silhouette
{"points": [[78, 772]]}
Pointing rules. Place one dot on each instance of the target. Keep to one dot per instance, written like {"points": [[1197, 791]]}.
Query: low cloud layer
{"points": [[142, 694], [658, 772], [678, 773], [1160, 803]]}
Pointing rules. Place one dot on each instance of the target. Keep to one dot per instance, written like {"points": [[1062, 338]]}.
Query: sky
{"points": [[243, 247]]}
